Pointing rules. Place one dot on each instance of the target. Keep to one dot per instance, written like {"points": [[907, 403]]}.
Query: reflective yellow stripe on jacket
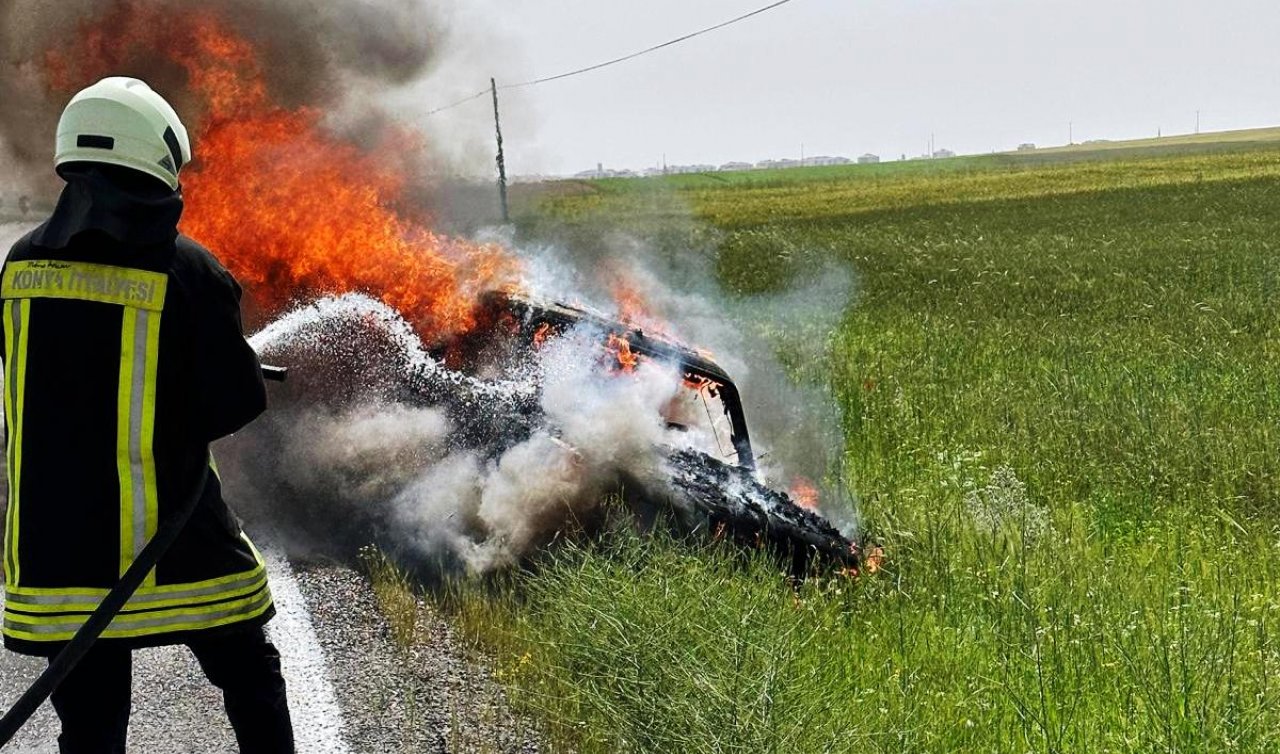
{"points": [[15, 319], [56, 614], [142, 295], [134, 625], [41, 614]]}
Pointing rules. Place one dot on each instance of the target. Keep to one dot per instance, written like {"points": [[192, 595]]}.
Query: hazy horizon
{"points": [[845, 78]]}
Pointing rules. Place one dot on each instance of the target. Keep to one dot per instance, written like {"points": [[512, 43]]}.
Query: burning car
{"points": [[718, 483], [350, 474]]}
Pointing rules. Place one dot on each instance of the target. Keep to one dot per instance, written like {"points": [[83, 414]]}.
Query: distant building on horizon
{"points": [[600, 172], [1027, 147], [688, 169]]}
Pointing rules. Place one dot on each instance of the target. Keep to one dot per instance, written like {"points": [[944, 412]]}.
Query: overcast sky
{"points": [[844, 77]]}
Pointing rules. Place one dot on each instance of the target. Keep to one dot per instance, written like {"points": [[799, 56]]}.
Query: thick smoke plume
{"points": [[673, 288], [375, 438], [340, 56]]}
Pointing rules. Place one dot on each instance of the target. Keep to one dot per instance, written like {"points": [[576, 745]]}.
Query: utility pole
{"points": [[1071, 133], [1197, 122], [502, 158]]}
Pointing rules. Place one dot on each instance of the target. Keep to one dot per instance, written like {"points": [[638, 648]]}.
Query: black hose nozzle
{"points": [[275, 374]]}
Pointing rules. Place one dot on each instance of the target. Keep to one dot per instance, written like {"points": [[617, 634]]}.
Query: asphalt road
{"points": [[351, 689]]}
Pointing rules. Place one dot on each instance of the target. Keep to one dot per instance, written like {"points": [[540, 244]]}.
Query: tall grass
{"points": [[973, 640], [1059, 388]]}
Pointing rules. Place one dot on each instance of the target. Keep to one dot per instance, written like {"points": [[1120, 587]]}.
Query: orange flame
{"points": [[697, 383], [621, 348], [874, 560], [541, 334], [291, 209], [804, 493], [633, 307]]}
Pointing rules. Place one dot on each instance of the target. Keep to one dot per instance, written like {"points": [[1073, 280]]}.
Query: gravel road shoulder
{"points": [[429, 699]]}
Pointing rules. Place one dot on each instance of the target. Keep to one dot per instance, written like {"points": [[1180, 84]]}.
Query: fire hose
{"points": [[76, 649]]}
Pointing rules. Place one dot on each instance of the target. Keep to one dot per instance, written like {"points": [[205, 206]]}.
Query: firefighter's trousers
{"points": [[93, 703]]}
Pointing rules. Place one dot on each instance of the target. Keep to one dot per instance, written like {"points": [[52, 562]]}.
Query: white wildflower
{"points": [[1003, 504]]}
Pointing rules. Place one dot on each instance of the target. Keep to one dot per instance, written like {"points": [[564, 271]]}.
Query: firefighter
{"points": [[124, 358]]}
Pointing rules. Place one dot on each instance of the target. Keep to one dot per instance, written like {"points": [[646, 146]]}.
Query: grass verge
{"points": [[1059, 396]]}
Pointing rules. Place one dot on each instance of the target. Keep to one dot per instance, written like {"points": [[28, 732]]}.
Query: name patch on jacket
{"points": [[47, 278]]}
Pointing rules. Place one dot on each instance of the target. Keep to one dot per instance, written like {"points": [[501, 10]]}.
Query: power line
{"points": [[459, 103], [616, 61], [655, 48]]}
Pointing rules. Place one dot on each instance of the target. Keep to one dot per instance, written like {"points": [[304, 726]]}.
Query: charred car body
{"points": [[722, 494], [711, 489]]}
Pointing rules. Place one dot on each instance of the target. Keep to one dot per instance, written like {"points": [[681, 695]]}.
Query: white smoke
{"points": [[492, 513], [332, 449], [794, 420], [370, 462], [416, 476]]}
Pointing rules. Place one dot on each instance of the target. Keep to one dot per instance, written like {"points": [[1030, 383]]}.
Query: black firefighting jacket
{"points": [[124, 358]]}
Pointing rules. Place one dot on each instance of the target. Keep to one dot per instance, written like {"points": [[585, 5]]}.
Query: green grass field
{"points": [[1061, 384], [1210, 140]]}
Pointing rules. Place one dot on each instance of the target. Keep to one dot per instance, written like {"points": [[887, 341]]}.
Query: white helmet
{"points": [[121, 121]]}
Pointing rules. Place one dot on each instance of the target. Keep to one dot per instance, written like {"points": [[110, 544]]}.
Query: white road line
{"points": [[317, 718], [318, 724]]}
